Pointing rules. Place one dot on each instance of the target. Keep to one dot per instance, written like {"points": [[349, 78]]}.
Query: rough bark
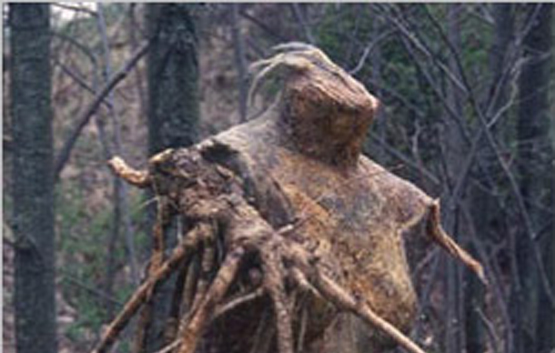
{"points": [[35, 309], [454, 148], [173, 109], [173, 113], [546, 313], [290, 208], [240, 59], [533, 166]]}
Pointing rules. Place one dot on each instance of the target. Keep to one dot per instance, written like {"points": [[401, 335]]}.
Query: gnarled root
{"points": [[281, 259], [438, 235], [134, 177], [181, 253]]}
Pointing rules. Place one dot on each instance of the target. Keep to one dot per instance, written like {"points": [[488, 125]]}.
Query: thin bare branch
{"points": [[90, 110], [295, 7], [435, 230], [376, 41], [238, 301], [263, 26], [76, 8], [122, 217]]}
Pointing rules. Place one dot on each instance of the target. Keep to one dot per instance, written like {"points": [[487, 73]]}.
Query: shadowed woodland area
{"points": [[288, 194]]}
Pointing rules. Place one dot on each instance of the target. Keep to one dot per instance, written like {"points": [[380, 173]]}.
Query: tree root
{"points": [[282, 260], [155, 263], [438, 235], [181, 253]]}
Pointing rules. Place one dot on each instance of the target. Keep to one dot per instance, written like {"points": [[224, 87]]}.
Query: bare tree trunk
{"points": [[172, 77], [535, 178], [533, 157], [134, 43], [546, 314], [240, 60], [173, 114], [454, 146], [35, 305]]}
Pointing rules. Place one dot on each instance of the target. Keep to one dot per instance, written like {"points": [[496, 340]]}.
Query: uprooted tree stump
{"points": [[285, 225]]}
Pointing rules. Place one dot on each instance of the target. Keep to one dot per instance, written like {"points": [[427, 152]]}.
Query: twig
{"points": [[435, 230], [235, 302], [490, 329], [170, 346], [422, 46], [83, 48], [426, 173], [89, 288], [368, 50], [304, 26], [83, 9], [263, 26], [80, 81], [82, 121], [121, 214]]}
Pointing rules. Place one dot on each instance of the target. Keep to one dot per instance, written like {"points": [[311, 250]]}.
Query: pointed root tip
{"points": [[134, 177], [482, 276]]}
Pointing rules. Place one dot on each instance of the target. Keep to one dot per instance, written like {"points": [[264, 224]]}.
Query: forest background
{"points": [[467, 94]]}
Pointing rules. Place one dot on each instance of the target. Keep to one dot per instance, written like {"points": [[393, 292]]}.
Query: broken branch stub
{"points": [[290, 197]]}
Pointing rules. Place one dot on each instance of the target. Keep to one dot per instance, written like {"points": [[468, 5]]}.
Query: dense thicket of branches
{"points": [[466, 94]]}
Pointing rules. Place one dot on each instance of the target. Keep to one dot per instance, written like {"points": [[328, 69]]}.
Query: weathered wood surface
{"points": [[299, 213]]}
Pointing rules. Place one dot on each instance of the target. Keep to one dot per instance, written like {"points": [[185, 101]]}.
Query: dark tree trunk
{"points": [[173, 109], [532, 316], [173, 114], [33, 217], [546, 313], [240, 60], [454, 147]]}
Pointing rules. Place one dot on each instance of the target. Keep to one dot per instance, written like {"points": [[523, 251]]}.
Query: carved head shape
{"points": [[325, 113]]}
